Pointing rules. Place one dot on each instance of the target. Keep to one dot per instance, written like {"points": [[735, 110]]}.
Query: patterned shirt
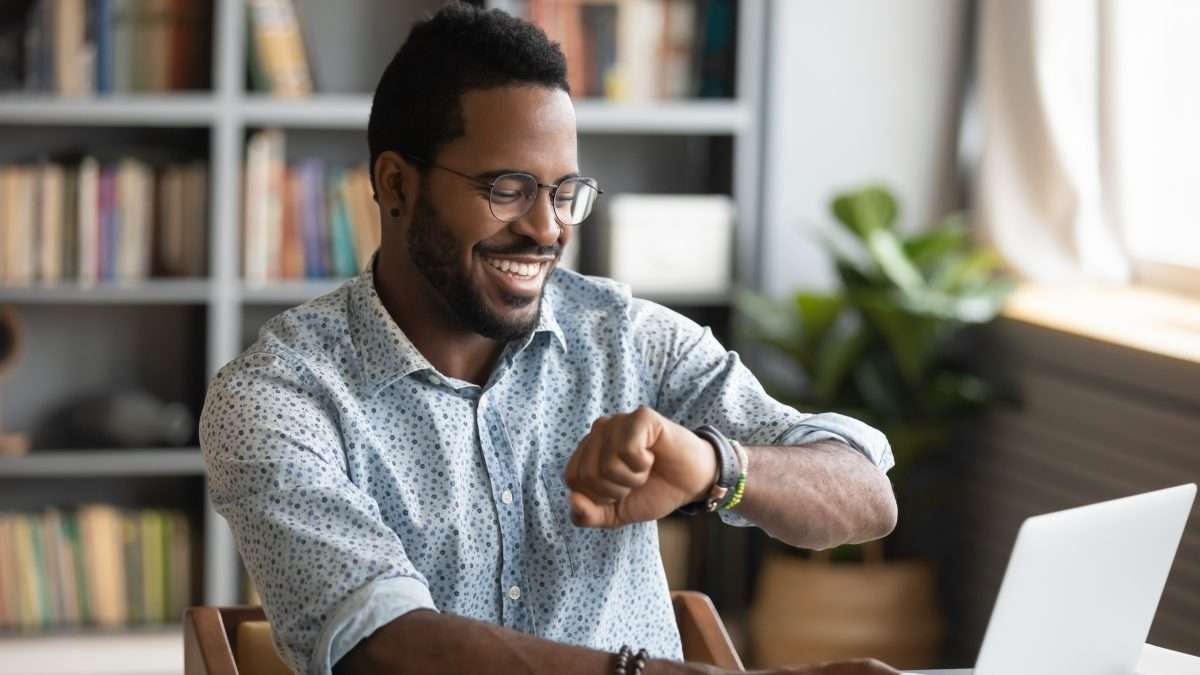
{"points": [[361, 483]]}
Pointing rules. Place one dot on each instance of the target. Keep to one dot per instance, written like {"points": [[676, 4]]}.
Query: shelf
{"points": [[717, 116], [319, 112], [158, 110], [152, 291], [60, 463], [287, 292], [136, 651]]}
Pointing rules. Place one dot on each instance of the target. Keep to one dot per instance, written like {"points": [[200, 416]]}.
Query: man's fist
{"points": [[637, 466]]}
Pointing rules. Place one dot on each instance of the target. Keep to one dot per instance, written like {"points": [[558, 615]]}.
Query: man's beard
{"points": [[434, 253]]}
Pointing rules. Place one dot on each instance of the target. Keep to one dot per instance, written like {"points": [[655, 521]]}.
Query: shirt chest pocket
{"points": [[586, 551]]}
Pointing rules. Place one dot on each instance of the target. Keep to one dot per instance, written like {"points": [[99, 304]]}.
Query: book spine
{"points": [[102, 31]]}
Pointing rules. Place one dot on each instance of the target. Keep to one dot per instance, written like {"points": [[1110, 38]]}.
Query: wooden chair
{"points": [[237, 640]]}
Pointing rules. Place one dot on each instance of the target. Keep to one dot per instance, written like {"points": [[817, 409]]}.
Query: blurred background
{"points": [[969, 222]]}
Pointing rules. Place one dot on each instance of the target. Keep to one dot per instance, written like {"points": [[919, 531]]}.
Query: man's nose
{"points": [[539, 223]]}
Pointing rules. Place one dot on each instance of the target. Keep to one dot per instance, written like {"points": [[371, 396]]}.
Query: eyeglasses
{"points": [[511, 195]]}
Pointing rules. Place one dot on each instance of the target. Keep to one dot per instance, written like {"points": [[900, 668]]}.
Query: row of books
{"points": [[637, 50], [94, 220], [305, 221], [81, 47], [98, 565]]}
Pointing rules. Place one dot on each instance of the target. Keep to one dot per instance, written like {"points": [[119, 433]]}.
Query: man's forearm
{"points": [[818, 496], [430, 643]]}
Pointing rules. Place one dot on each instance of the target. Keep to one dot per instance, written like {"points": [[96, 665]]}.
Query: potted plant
{"points": [[886, 347]]}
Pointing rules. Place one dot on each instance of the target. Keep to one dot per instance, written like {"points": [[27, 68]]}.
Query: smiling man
{"points": [[454, 462]]}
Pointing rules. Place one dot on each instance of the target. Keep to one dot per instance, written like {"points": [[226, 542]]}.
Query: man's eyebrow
{"points": [[495, 173]]}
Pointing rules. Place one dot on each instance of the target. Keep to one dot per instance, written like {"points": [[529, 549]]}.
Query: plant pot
{"points": [[809, 611]]}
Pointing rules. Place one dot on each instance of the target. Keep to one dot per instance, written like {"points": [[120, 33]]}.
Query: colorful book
{"points": [[341, 236]]}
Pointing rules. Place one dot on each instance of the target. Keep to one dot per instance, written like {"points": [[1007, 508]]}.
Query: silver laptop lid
{"points": [[1082, 586]]}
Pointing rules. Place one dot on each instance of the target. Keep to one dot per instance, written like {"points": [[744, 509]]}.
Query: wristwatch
{"points": [[727, 472]]}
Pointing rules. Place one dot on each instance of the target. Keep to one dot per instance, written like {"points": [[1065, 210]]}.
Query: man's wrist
{"points": [[715, 453], [727, 472]]}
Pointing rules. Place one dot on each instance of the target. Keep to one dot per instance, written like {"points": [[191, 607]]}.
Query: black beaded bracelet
{"points": [[639, 661]]}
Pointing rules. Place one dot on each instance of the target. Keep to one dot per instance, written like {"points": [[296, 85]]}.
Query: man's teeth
{"points": [[515, 268]]}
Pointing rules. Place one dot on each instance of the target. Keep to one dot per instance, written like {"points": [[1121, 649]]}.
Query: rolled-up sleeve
{"points": [[698, 381], [328, 569]]}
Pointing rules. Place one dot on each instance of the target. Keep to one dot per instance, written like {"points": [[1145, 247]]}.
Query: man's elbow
{"points": [[887, 514]]}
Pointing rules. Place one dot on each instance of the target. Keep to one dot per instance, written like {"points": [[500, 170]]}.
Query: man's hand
{"points": [[637, 466]]}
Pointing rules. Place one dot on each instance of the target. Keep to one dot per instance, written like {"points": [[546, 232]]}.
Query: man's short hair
{"points": [[417, 108]]}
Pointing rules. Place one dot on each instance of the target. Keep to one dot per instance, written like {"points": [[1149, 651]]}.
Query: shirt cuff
{"points": [[826, 427], [835, 427], [363, 613]]}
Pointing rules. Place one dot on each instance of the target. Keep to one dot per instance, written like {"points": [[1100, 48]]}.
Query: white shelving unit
{"points": [[228, 113]]}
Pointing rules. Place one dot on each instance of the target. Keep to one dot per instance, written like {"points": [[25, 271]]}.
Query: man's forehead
{"points": [[519, 123]]}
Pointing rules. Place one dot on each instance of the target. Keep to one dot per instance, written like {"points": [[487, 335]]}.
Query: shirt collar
{"points": [[385, 352]]}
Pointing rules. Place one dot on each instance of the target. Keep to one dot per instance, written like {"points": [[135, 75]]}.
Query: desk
{"points": [[1154, 661]]}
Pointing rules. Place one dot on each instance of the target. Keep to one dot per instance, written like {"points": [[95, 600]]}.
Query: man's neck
{"points": [[453, 349]]}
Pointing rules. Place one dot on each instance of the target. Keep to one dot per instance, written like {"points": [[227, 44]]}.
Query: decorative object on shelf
{"points": [[671, 245], [126, 419], [10, 344], [887, 348]]}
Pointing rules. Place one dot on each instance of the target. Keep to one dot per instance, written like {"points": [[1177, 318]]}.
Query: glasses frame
{"points": [[491, 186]]}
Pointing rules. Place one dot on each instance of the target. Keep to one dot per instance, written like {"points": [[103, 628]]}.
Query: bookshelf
{"points": [[692, 146]]}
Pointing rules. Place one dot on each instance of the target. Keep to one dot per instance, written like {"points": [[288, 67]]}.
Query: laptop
{"points": [[1082, 587]]}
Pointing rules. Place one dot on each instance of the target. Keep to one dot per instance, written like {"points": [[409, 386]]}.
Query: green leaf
{"points": [[879, 388], [966, 271], [866, 210], [833, 360], [912, 338], [927, 249], [818, 312], [885, 249]]}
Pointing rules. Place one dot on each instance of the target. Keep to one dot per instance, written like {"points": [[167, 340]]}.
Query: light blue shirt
{"points": [[361, 484]]}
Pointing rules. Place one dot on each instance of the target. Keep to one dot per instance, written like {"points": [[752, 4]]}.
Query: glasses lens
{"points": [[574, 199], [512, 195]]}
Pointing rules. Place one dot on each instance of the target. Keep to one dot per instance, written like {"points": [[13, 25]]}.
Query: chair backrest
{"points": [[237, 640]]}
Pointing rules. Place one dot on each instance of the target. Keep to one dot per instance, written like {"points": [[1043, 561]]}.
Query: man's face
{"points": [[456, 242]]}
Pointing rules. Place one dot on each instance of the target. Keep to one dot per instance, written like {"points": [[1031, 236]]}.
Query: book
{"points": [[278, 48], [102, 539], [69, 17], [51, 570], [179, 564], [341, 235], [131, 558], [89, 221], [52, 196], [8, 574]]}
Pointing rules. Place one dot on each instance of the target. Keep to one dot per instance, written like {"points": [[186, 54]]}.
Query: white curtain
{"points": [[1043, 192]]}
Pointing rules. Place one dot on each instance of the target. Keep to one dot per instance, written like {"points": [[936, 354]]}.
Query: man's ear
{"points": [[397, 183]]}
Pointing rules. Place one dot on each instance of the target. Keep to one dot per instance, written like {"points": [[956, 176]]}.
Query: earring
{"points": [[395, 212]]}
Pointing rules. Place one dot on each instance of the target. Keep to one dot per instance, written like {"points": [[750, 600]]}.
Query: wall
{"points": [[857, 91]]}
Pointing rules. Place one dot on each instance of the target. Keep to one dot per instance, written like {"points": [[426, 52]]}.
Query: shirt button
{"points": [[514, 593], [433, 379], [506, 497]]}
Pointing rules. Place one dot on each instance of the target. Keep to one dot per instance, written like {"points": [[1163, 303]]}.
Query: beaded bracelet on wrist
{"points": [[624, 667]]}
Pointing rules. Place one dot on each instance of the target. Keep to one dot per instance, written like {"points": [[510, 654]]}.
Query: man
{"points": [[454, 462]]}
